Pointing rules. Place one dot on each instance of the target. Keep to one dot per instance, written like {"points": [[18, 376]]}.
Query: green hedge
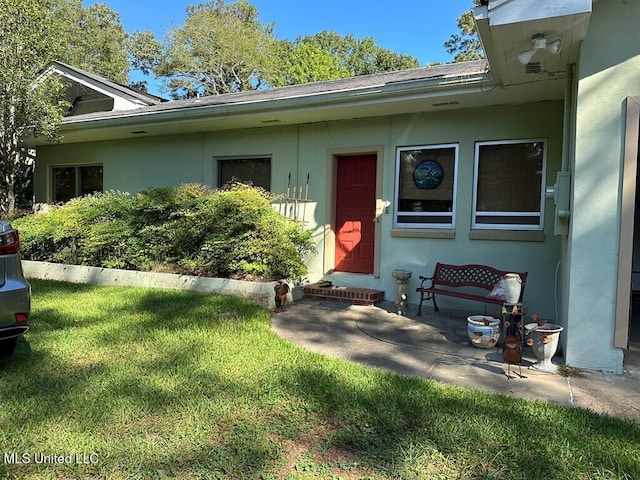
{"points": [[233, 233]]}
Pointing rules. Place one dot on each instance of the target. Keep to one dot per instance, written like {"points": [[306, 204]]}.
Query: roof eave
{"points": [[337, 105], [506, 28]]}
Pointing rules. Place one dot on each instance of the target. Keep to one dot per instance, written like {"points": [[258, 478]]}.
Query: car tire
{"points": [[7, 347]]}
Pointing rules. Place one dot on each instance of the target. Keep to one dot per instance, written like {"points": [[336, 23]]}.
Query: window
{"points": [[70, 182], [425, 186], [509, 185], [255, 170]]}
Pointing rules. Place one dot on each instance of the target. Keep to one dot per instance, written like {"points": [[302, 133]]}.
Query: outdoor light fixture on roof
{"points": [[539, 42]]}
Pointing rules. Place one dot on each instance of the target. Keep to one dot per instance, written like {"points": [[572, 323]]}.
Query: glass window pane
{"points": [[426, 179], [90, 179], [510, 177], [254, 170], [509, 184], [509, 220], [64, 183]]}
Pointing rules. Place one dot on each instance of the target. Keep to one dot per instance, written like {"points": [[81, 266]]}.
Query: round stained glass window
{"points": [[428, 175]]}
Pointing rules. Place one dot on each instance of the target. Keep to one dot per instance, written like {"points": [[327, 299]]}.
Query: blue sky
{"points": [[412, 27]]}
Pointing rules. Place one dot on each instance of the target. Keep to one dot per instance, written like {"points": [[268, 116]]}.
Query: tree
{"points": [[221, 48], [144, 54], [359, 56], [93, 39], [28, 40], [466, 45], [305, 63], [33, 33]]}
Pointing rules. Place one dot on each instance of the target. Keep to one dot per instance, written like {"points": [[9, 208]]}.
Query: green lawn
{"points": [[140, 383]]}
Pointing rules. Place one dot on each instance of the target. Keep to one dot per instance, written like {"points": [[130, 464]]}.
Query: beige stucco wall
{"points": [[138, 163], [608, 72]]}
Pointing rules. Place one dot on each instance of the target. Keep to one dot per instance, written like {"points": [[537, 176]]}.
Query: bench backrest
{"points": [[472, 275]]}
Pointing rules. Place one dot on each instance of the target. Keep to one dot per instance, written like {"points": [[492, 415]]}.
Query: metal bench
{"points": [[460, 280]]}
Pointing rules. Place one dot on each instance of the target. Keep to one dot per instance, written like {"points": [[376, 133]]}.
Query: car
{"points": [[15, 291]]}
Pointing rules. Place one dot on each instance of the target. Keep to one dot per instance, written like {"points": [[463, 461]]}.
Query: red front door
{"points": [[355, 212]]}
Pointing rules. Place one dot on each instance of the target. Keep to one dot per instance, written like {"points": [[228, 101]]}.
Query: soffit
{"points": [[74, 90], [82, 86], [506, 28]]}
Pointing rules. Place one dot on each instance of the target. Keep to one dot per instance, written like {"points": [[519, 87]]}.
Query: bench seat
{"points": [[451, 280]]}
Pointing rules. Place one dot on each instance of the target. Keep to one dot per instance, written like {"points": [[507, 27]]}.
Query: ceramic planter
{"points": [[483, 331], [512, 288], [544, 343]]}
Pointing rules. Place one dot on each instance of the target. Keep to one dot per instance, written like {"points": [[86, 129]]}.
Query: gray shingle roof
{"points": [[439, 74]]}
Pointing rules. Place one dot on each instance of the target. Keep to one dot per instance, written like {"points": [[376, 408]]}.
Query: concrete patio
{"points": [[436, 346]]}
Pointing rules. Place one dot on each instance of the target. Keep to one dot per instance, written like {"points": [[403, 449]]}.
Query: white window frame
{"points": [[475, 225], [452, 214]]}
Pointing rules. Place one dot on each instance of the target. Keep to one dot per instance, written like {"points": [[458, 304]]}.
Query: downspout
{"points": [[205, 169], [568, 152], [297, 154], [568, 130]]}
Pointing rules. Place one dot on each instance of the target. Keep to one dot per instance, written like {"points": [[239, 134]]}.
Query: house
{"points": [[526, 161]]}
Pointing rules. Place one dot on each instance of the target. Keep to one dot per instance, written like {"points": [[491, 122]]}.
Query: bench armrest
{"points": [[424, 279]]}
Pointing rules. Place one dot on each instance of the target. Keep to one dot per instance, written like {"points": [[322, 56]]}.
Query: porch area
{"points": [[436, 346]]}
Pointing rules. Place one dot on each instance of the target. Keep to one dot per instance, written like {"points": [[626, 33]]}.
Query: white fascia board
{"points": [[505, 12], [121, 101], [481, 17], [453, 85], [480, 12]]}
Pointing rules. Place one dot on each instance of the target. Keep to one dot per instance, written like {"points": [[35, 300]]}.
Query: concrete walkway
{"points": [[436, 346]]}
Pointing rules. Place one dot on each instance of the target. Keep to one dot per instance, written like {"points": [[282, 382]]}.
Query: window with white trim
{"points": [[68, 182], [426, 186], [254, 170], [509, 185]]}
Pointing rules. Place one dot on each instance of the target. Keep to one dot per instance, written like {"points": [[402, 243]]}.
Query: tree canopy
{"points": [[223, 47], [33, 33], [357, 56], [92, 39], [27, 37], [465, 44]]}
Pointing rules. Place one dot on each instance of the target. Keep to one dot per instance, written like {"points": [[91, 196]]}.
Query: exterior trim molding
{"points": [[330, 222], [424, 232], [508, 235], [627, 214]]}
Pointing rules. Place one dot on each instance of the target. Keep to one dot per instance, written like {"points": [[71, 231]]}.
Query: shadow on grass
{"points": [[184, 408], [166, 415], [499, 436], [120, 377]]}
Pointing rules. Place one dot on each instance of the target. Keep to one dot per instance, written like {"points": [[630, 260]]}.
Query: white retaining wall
{"points": [[262, 293]]}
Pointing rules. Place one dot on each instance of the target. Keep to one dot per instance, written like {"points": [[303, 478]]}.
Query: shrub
{"points": [[233, 232]]}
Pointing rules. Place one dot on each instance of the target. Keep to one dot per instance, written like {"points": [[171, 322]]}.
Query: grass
{"points": [[143, 383]]}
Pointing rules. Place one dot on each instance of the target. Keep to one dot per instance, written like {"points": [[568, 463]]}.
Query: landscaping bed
{"points": [[233, 233]]}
